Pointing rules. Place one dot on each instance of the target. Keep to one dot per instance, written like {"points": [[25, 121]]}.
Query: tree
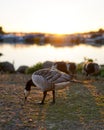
{"points": [[1, 30]]}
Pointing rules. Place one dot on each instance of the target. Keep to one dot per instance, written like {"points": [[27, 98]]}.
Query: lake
{"points": [[24, 54]]}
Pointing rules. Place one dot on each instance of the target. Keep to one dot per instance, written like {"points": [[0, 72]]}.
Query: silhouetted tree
{"points": [[1, 30], [100, 31]]}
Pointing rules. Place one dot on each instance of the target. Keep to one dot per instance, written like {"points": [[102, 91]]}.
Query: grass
{"points": [[102, 71], [77, 107]]}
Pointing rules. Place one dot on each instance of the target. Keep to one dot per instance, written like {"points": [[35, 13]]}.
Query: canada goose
{"points": [[67, 67], [91, 68], [47, 80]]}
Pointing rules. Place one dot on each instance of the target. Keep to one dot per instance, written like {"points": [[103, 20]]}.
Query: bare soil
{"points": [[77, 107]]}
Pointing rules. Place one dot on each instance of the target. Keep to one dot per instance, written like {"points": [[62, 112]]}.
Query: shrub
{"points": [[34, 68], [88, 59], [79, 67], [102, 71]]}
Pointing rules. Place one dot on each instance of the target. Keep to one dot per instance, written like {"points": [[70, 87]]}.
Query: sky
{"points": [[51, 16]]}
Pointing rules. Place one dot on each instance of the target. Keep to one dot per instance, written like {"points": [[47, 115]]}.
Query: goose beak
{"points": [[26, 94], [25, 100]]}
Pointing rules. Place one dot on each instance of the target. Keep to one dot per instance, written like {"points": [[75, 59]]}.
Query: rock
{"points": [[22, 69], [7, 67]]}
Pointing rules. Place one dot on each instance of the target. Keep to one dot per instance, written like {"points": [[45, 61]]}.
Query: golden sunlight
{"points": [[54, 16]]}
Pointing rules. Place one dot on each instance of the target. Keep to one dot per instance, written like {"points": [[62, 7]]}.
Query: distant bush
{"points": [[34, 68], [1, 54], [102, 71], [88, 59], [79, 67]]}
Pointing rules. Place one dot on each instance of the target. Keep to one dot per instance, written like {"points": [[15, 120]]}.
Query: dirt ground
{"points": [[77, 107]]}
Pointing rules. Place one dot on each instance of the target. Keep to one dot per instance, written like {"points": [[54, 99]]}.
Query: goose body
{"points": [[49, 80], [67, 67], [91, 68]]}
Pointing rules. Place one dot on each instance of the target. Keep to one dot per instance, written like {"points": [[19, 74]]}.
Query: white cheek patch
{"points": [[54, 67], [26, 93], [68, 67]]}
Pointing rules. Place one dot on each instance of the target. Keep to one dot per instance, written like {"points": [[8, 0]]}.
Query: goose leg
{"points": [[53, 93], [44, 96]]}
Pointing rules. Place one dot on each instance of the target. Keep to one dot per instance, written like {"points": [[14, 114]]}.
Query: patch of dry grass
{"points": [[78, 107]]}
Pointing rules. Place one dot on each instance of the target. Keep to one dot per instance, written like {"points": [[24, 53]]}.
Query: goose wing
{"points": [[47, 78]]}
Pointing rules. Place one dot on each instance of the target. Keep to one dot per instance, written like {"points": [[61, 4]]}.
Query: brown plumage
{"points": [[67, 67], [91, 68]]}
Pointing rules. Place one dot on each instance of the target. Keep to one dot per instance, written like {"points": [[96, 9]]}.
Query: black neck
{"points": [[29, 84]]}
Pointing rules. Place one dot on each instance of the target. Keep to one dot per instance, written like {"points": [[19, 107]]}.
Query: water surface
{"points": [[23, 54]]}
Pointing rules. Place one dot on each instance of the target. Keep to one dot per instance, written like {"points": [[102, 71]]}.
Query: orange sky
{"points": [[53, 16]]}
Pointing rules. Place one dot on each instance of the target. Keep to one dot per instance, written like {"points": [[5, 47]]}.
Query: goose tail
{"points": [[78, 81]]}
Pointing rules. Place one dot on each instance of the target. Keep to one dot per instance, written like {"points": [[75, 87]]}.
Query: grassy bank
{"points": [[78, 106]]}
